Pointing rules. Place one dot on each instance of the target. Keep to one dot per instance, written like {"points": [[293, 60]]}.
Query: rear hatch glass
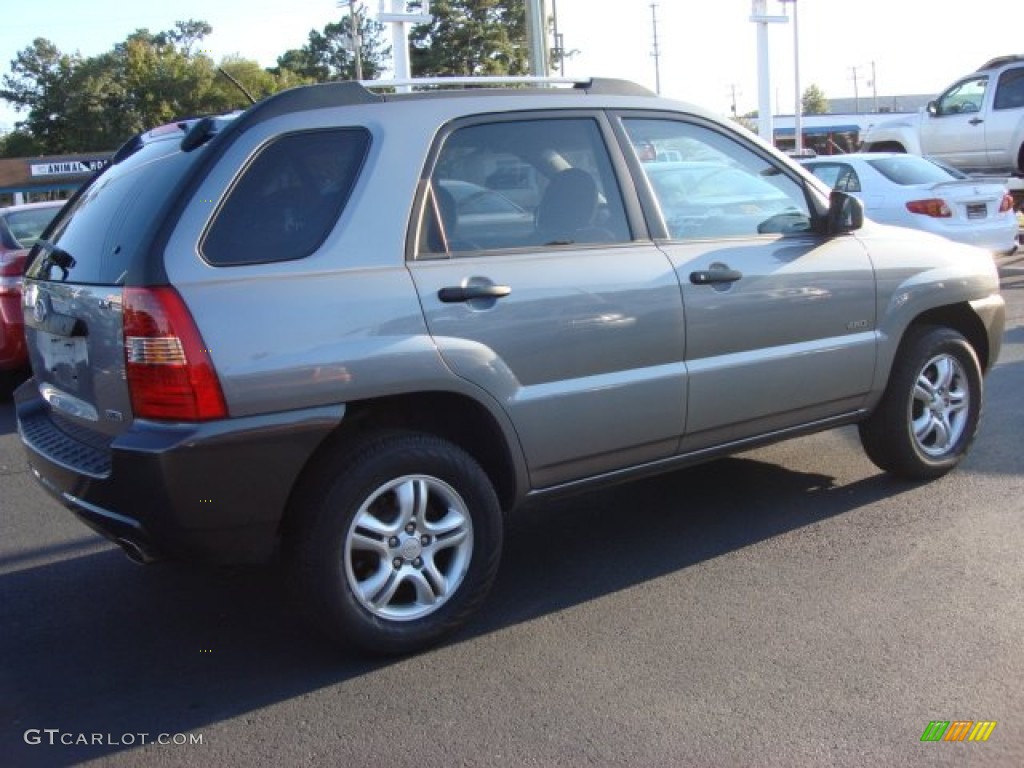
{"points": [[72, 298]]}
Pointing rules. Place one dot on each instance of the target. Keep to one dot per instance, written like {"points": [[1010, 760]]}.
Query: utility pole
{"points": [[733, 92], [559, 49], [874, 88], [357, 41], [856, 93], [656, 53], [798, 127]]}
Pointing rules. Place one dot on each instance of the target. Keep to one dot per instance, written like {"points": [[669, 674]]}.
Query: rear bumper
{"points": [[992, 236], [214, 492]]}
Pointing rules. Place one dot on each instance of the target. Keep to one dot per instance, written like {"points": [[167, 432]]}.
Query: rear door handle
{"points": [[456, 293], [714, 276]]}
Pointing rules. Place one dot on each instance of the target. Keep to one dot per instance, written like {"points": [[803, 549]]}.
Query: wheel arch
{"points": [[455, 417], [962, 319]]}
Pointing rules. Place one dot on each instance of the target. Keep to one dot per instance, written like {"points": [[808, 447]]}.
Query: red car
{"points": [[20, 227]]}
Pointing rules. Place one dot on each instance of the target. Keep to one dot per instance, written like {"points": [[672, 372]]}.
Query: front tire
{"points": [[928, 416], [395, 542]]}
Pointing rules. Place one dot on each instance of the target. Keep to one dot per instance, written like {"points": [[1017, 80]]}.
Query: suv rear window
{"points": [[104, 227], [287, 199]]}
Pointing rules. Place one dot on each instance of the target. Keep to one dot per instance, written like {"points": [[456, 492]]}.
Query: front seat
{"points": [[566, 211]]}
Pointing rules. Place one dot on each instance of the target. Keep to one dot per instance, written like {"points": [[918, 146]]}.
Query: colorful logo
{"points": [[958, 730]]}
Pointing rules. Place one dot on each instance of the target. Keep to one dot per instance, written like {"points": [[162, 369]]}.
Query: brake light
{"points": [[170, 373], [1006, 204], [933, 207], [12, 264]]}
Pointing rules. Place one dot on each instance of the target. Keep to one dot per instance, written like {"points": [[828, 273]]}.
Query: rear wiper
{"points": [[57, 257]]}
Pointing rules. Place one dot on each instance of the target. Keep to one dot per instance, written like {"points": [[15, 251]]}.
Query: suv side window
{"points": [[965, 96], [719, 188], [1010, 90], [288, 198], [522, 183]]}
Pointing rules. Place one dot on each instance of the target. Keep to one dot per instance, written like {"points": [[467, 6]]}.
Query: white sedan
{"points": [[912, 191]]}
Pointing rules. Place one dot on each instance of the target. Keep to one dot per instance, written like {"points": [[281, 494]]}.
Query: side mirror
{"points": [[932, 108], [845, 213]]}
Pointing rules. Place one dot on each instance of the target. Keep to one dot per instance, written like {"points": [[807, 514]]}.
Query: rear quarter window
{"points": [[287, 199]]}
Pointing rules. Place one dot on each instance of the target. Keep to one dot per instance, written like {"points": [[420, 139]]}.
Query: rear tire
{"points": [[395, 542], [929, 414]]}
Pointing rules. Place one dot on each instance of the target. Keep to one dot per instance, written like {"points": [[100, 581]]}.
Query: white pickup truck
{"points": [[976, 124]]}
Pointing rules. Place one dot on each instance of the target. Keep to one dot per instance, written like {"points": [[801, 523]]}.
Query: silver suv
{"points": [[360, 330]]}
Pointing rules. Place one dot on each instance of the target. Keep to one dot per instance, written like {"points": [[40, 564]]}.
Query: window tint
{"points": [[287, 199], [104, 228], [1010, 92], [523, 183], [718, 188]]}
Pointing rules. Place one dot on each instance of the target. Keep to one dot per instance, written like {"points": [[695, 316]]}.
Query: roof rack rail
{"points": [[602, 85], [469, 81]]}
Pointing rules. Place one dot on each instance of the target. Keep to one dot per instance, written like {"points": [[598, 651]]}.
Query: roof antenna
{"points": [[237, 84]]}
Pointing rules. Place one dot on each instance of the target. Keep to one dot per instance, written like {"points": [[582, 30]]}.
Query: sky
{"points": [[708, 50]]}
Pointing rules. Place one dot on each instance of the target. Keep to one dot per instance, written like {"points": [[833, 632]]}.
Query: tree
{"points": [[813, 101], [77, 104], [40, 82], [328, 55], [19, 143], [472, 37]]}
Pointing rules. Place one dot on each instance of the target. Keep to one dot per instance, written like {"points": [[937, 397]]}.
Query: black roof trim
{"points": [[611, 86], [305, 97], [999, 61]]}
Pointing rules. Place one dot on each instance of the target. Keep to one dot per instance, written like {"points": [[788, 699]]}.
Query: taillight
{"points": [[170, 373], [1006, 204], [933, 207], [12, 264]]}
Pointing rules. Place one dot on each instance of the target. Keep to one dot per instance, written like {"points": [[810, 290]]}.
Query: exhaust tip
{"points": [[136, 552]]}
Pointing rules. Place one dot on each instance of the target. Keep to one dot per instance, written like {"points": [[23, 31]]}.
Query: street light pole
{"points": [[400, 19], [759, 15], [798, 127], [536, 36]]}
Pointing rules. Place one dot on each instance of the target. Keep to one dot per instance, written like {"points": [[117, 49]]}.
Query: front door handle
{"points": [[715, 276], [975, 121], [456, 293]]}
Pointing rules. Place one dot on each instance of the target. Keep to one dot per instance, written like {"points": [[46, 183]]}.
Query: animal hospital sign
{"points": [[67, 167]]}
